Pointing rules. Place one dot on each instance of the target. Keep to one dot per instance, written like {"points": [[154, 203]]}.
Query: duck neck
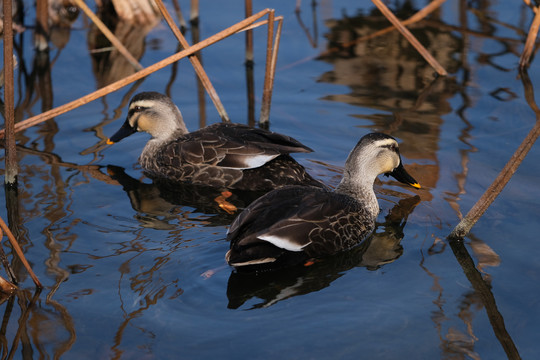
{"points": [[360, 187]]}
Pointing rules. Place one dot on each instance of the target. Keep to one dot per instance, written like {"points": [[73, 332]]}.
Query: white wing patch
{"points": [[282, 243], [255, 161]]}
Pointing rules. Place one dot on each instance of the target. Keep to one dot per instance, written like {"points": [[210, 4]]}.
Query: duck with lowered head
{"points": [[296, 224], [221, 155]]}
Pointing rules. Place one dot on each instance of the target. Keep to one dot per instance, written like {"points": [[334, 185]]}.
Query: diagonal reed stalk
{"points": [[465, 225], [240, 26], [195, 62], [15, 245]]}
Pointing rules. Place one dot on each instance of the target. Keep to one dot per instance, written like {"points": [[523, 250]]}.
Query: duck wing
{"points": [[307, 220], [226, 145]]}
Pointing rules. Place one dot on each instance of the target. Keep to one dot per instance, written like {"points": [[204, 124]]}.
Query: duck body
{"points": [[308, 223], [295, 224], [220, 155]]}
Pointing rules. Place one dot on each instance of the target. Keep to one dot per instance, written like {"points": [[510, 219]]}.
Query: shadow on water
{"points": [[156, 202], [383, 247]]}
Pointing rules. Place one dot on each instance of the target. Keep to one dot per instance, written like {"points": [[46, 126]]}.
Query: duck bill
{"points": [[123, 132], [401, 175]]}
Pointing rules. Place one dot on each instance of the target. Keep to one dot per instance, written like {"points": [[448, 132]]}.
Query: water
{"points": [[132, 272]]}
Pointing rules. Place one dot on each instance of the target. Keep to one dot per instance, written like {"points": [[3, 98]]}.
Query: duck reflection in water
{"points": [[383, 247], [155, 202]]}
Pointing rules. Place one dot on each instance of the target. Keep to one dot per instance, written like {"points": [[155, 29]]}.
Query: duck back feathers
{"points": [[217, 155], [296, 223]]}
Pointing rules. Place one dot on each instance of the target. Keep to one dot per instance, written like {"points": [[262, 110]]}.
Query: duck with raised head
{"points": [[296, 224], [222, 155]]}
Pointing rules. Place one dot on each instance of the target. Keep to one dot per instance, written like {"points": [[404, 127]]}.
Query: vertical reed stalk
{"points": [[250, 64], [268, 78], [9, 98], [506, 173]]}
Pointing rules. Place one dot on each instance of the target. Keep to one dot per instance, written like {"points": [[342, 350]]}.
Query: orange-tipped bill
{"points": [[123, 132], [401, 175]]}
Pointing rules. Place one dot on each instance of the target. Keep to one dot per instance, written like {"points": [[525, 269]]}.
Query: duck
{"points": [[299, 225], [222, 155]]}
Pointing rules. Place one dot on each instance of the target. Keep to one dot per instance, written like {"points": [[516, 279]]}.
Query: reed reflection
{"points": [[383, 247], [38, 328]]}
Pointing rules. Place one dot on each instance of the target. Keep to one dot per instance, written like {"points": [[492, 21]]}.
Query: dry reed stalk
{"points": [[270, 68], [250, 65], [465, 225], [194, 11], [108, 34], [10, 178], [138, 75], [179, 15], [15, 244], [42, 26], [265, 105], [410, 37], [195, 62], [531, 40]]}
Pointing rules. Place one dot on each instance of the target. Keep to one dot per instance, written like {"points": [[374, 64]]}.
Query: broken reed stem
{"points": [[265, 105], [410, 37], [10, 177], [138, 75], [531, 40], [465, 225], [249, 64], [268, 87], [195, 62], [15, 244], [108, 34]]}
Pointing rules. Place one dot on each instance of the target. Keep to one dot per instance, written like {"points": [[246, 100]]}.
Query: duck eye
{"points": [[138, 108]]}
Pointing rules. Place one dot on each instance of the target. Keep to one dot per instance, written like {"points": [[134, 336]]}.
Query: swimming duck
{"points": [[220, 155], [296, 224]]}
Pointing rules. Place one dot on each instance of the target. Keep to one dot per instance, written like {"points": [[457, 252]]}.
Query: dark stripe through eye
{"points": [[135, 109], [391, 147]]}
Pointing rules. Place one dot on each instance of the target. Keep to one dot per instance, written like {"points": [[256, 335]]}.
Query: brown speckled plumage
{"points": [[219, 155], [290, 225]]}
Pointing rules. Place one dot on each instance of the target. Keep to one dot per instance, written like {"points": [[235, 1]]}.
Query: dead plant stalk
{"points": [[138, 75]]}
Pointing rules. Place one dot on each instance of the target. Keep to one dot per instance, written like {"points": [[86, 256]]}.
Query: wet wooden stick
{"points": [[15, 244], [531, 40], [465, 225], [410, 37], [25, 124], [108, 34], [10, 177], [195, 62]]}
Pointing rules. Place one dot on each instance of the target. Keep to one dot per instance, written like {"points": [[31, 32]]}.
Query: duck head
{"points": [[153, 113], [375, 154]]}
